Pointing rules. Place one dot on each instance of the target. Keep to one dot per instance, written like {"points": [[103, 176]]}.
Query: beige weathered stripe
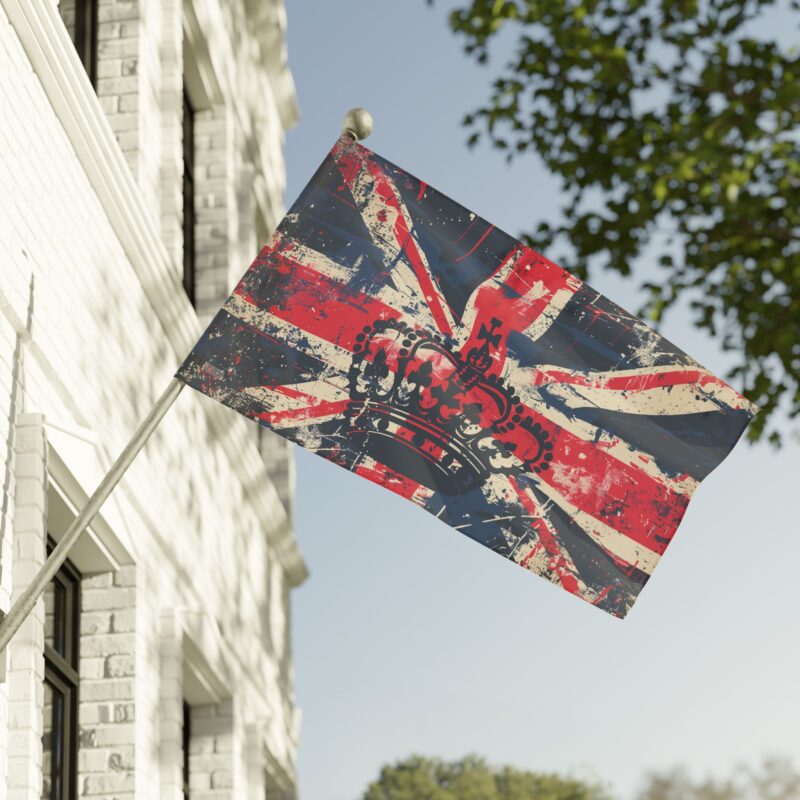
{"points": [[542, 323], [326, 266], [421, 493], [610, 540], [318, 392], [301, 340], [273, 402], [380, 219], [612, 445], [470, 310], [684, 398]]}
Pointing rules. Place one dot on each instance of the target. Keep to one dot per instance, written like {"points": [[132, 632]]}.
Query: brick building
{"points": [[141, 162]]}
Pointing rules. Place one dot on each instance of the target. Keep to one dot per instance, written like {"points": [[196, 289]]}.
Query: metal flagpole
{"points": [[358, 124], [27, 600]]}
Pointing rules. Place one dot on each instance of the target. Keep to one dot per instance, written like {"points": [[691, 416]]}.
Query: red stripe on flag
{"points": [[407, 244], [476, 245], [351, 161], [522, 297], [547, 539], [322, 409], [628, 383], [620, 495], [316, 304], [389, 479]]}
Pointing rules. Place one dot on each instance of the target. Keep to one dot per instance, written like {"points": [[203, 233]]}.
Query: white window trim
{"points": [[53, 57], [199, 69], [100, 548], [264, 771], [193, 669]]}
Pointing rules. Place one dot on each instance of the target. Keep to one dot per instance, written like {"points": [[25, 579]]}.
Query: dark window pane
{"points": [[54, 608], [70, 580], [62, 609], [187, 734], [188, 198], [60, 728], [53, 743], [80, 19]]}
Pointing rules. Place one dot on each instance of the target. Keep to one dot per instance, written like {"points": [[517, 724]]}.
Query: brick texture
{"points": [[83, 347], [25, 674], [107, 709], [213, 753]]}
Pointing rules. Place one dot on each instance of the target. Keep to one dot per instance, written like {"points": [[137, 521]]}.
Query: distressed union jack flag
{"points": [[397, 334]]}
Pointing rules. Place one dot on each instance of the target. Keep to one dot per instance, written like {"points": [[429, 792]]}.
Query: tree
{"points": [[673, 130], [776, 779], [471, 778]]}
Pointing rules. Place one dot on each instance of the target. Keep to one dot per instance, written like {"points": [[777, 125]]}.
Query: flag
{"points": [[395, 333]]}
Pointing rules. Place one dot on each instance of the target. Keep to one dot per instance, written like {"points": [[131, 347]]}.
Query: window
{"points": [[80, 18], [188, 196], [187, 735], [60, 731]]}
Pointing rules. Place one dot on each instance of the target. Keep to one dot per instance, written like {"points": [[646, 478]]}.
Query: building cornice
{"points": [[269, 28], [222, 77], [62, 76]]}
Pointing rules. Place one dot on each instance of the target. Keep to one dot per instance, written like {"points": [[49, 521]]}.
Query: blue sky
{"points": [[411, 638]]}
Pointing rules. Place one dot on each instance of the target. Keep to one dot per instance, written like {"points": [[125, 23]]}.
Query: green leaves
{"points": [[677, 119], [471, 778]]}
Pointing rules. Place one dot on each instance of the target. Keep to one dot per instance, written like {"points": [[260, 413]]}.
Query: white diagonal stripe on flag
{"points": [[613, 542], [380, 218], [304, 341]]}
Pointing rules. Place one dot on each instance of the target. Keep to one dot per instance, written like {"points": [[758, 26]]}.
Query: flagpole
{"points": [[358, 125], [27, 600]]}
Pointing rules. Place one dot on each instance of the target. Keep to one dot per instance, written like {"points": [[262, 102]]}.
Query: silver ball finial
{"points": [[357, 123]]}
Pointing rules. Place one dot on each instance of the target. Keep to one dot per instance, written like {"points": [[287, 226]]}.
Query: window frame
{"points": [[84, 36], [61, 672], [188, 202], [186, 737]]}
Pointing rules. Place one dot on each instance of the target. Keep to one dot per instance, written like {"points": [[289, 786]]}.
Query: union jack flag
{"points": [[395, 333]]}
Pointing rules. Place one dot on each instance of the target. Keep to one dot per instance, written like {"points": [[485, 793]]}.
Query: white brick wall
{"points": [[107, 711], [171, 710], [212, 759], [25, 673], [129, 85], [171, 107], [217, 217], [83, 344]]}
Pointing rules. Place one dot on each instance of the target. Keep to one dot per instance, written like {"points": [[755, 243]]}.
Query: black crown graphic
{"points": [[433, 415]]}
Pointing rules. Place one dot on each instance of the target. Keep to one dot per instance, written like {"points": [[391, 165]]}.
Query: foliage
{"points": [[471, 778], [777, 779], [672, 127]]}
